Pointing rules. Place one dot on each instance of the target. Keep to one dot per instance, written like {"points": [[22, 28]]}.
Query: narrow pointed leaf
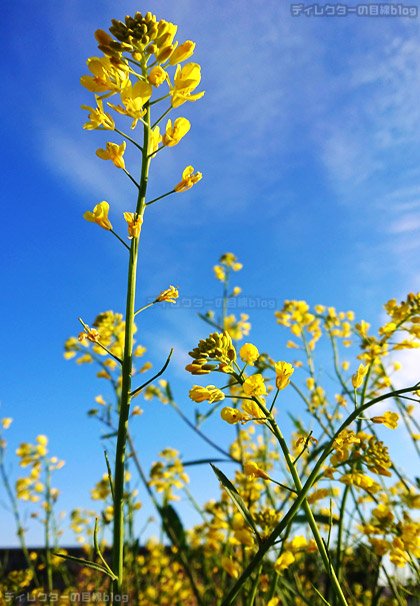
{"points": [[173, 525], [237, 499], [202, 461], [87, 563]]}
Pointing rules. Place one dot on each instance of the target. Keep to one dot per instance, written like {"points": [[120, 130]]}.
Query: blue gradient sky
{"points": [[308, 139]]}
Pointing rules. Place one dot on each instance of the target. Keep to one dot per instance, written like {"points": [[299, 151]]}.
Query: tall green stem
{"points": [[127, 367]]}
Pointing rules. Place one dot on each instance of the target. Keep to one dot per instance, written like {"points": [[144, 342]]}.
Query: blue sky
{"points": [[308, 140]]}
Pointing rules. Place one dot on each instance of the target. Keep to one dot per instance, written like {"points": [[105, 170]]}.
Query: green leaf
{"points": [[87, 563], [237, 499], [202, 461], [173, 525], [109, 435]]}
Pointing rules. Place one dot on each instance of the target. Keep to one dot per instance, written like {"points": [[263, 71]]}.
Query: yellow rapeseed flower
{"points": [[155, 139], [175, 133], [182, 52], [169, 295], [252, 470], [133, 97], [249, 353], [219, 272], [99, 215], [185, 81], [113, 152], [107, 75], [232, 568], [284, 371], [6, 422], [201, 394], [98, 119], [157, 76], [188, 180], [233, 415], [134, 223], [252, 409], [389, 419], [284, 561], [255, 386], [357, 378]]}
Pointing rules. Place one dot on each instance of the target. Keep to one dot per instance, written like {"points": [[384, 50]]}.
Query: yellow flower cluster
{"points": [[169, 474]]}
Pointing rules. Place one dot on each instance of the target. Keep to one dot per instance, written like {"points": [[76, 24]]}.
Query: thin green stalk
{"points": [[160, 197], [120, 239], [180, 553], [118, 531]]}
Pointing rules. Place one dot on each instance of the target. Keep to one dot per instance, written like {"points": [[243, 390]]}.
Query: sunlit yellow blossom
{"points": [[113, 152], [284, 561], [297, 543], [284, 371], [211, 393], [91, 334], [252, 470], [155, 139], [362, 328], [249, 353], [99, 215], [232, 415], [41, 439], [157, 76], [169, 295], [219, 272], [98, 119], [358, 377], [133, 97], [188, 180], [103, 374], [389, 419], [252, 409], [134, 223], [232, 568], [107, 75], [6, 422], [182, 52], [255, 386], [236, 291], [185, 81], [175, 133], [318, 495]]}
